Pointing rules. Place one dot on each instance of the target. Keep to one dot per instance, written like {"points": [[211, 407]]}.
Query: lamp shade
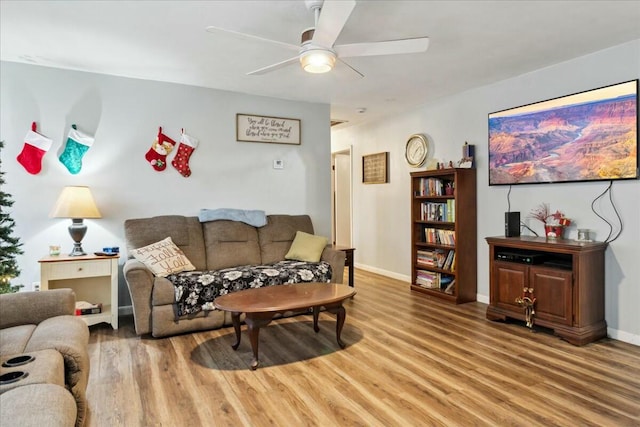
{"points": [[75, 202]]}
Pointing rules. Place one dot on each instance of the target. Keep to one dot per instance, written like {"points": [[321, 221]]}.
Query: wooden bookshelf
{"points": [[444, 234]]}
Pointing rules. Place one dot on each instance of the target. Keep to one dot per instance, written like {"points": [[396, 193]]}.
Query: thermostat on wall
{"points": [[278, 164]]}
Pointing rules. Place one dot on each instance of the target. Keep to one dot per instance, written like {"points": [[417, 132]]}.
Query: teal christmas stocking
{"points": [[77, 144]]}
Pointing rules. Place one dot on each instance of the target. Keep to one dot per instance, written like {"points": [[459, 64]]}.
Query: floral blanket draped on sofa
{"points": [[196, 290]]}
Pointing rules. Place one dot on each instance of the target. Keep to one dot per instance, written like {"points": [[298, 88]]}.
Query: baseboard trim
{"points": [[387, 273], [623, 336]]}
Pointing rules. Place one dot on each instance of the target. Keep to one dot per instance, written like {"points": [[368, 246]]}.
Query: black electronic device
{"points": [[512, 224], [521, 257]]}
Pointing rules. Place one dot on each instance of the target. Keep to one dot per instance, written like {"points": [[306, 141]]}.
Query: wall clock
{"points": [[416, 150]]}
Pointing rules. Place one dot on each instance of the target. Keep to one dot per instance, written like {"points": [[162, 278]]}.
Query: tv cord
{"points": [[609, 190]]}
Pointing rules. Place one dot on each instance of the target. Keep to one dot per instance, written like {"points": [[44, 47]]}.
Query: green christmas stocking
{"points": [[77, 144]]}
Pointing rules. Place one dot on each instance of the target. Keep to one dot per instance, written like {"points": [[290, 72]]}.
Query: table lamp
{"points": [[76, 202]]}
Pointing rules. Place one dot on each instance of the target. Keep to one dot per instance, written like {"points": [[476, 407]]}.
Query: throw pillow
{"points": [[163, 258], [306, 247]]}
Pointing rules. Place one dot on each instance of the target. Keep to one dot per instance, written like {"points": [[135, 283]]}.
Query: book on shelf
{"points": [[432, 258], [440, 236], [427, 279], [451, 287], [434, 187], [84, 307], [438, 211], [434, 280], [445, 281], [448, 262]]}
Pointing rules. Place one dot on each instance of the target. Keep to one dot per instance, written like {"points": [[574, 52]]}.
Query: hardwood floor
{"points": [[409, 360]]}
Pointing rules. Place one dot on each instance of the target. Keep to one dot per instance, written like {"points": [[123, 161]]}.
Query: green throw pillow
{"points": [[306, 247]]}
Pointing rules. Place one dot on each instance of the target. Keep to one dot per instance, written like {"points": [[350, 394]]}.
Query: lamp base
{"points": [[77, 250], [77, 230]]}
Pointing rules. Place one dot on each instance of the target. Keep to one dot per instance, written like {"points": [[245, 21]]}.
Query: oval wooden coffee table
{"points": [[261, 304]]}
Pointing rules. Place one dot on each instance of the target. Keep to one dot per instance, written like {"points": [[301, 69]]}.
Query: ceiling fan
{"points": [[317, 52]]}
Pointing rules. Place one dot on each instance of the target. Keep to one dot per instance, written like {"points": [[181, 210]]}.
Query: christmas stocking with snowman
{"points": [[157, 154]]}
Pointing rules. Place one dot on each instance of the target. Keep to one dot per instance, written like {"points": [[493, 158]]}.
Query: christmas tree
{"points": [[9, 245]]}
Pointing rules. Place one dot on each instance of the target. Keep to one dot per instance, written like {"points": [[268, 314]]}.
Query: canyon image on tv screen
{"points": [[587, 136]]}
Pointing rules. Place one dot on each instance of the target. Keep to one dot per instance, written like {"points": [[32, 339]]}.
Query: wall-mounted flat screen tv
{"points": [[587, 136]]}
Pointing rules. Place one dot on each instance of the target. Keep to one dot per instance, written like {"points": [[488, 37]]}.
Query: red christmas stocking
{"points": [[35, 147], [157, 154], [185, 149]]}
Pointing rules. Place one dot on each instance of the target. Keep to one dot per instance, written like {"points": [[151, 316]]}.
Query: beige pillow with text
{"points": [[163, 258]]}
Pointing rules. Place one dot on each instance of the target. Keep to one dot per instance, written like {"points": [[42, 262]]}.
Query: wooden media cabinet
{"points": [[566, 278]]}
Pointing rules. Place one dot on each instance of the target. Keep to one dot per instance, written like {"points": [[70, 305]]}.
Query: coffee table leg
{"points": [[235, 319], [254, 322], [341, 315], [316, 314]]}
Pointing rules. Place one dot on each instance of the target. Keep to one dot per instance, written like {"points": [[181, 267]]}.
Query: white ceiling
{"points": [[472, 43]]}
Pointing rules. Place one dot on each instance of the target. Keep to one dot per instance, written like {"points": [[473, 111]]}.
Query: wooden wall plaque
{"points": [[374, 168]]}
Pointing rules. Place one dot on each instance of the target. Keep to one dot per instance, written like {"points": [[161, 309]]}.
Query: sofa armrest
{"points": [[336, 259], [23, 308], [140, 283]]}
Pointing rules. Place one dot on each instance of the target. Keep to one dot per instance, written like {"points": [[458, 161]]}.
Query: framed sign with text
{"points": [[276, 130], [374, 168]]}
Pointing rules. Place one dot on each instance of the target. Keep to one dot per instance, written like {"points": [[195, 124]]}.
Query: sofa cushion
{"points": [[230, 244], [14, 340], [306, 247], [185, 232], [163, 258], [276, 237]]}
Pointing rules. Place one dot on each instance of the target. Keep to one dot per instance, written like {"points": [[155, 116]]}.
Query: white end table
{"points": [[93, 278]]}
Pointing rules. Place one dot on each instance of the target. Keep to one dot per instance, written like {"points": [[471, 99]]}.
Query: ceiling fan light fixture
{"points": [[317, 60]]}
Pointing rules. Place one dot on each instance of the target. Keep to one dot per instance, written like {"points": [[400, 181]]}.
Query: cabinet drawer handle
{"points": [[79, 268]]}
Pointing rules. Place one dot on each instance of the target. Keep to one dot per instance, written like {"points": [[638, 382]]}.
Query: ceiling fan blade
{"points": [[214, 30], [360, 75], [390, 47], [274, 67], [333, 17]]}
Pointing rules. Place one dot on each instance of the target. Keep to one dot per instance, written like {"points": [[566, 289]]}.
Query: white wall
{"points": [[381, 212], [124, 115]]}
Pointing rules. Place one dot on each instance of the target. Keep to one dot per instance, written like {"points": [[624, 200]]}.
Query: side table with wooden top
{"points": [[93, 278], [348, 262]]}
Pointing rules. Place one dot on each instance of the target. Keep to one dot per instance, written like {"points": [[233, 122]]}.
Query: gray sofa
{"points": [[210, 245], [43, 325]]}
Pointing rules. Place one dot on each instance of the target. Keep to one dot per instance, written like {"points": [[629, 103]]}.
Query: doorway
{"points": [[341, 198]]}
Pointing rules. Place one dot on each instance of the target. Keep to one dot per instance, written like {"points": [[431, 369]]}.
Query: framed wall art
{"points": [[374, 168], [275, 130]]}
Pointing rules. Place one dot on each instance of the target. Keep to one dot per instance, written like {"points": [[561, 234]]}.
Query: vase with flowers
{"points": [[554, 223]]}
